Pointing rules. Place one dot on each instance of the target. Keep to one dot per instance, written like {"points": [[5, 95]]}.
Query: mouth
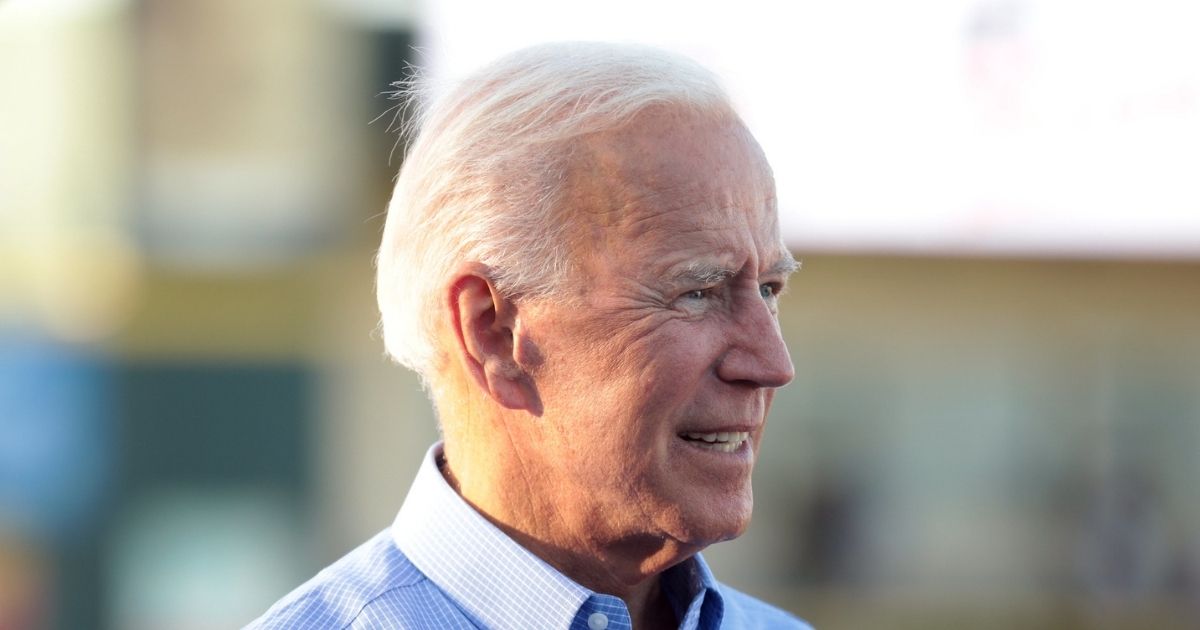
{"points": [[723, 441]]}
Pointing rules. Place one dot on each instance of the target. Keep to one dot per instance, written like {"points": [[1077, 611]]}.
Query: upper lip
{"points": [[729, 428]]}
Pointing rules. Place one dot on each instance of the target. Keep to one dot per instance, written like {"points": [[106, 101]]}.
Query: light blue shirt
{"points": [[443, 565]]}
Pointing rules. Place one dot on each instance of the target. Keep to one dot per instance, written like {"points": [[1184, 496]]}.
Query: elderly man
{"points": [[582, 260]]}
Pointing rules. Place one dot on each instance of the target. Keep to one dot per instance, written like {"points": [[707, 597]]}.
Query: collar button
{"points": [[597, 621]]}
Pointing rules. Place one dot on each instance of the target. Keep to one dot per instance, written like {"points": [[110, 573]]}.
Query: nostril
{"points": [[751, 370]]}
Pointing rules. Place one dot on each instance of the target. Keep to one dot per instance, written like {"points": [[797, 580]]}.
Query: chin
{"points": [[733, 527], [715, 521]]}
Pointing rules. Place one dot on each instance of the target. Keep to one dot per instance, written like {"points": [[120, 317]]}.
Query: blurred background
{"points": [[996, 416]]}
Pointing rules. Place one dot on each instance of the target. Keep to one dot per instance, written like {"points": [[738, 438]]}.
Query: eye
{"points": [[698, 294], [769, 290]]}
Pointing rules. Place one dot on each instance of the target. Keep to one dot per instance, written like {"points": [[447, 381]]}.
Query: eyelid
{"points": [[706, 291], [707, 284]]}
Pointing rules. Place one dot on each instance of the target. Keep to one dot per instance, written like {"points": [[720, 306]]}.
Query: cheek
{"points": [[623, 382], [673, 373], [685, 352]]}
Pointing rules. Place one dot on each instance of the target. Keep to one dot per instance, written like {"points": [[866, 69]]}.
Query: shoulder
{"points": [[744, 611], [374, 580]]}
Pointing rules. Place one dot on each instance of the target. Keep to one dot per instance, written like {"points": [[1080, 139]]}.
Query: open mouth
{"points": [[725, 442]]}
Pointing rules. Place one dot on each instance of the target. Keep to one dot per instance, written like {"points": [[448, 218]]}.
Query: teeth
{"points": [[723, 441]]}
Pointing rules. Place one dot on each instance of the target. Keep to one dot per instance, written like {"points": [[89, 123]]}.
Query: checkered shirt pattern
{"points": [[442, 565]]}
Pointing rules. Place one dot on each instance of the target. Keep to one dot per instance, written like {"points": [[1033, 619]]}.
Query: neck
{"points": [[651, 608], [628, 568]]}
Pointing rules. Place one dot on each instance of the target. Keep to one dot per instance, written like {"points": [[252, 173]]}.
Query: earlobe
{"points": [[484, 321]]}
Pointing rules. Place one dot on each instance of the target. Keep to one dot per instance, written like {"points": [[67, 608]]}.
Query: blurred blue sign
{"points": [[55, 435]]}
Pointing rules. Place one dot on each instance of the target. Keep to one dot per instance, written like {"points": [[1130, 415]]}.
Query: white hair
{"points": [[485, 175]]}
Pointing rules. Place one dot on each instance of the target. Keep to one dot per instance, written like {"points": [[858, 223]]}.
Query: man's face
{"points": [[668, 341]]}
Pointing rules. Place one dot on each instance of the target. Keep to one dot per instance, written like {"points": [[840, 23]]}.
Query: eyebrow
{"points": [[705, 274], [785, 266]]}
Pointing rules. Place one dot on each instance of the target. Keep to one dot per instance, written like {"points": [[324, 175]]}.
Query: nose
{"points": [[757, 356]]}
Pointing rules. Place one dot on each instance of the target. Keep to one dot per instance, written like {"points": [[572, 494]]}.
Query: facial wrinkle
{"points": [[537, 526]]}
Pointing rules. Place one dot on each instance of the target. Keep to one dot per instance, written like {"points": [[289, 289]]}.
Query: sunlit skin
{"points": [[565, 418]]}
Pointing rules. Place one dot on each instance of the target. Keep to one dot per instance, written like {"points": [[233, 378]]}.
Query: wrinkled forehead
{"points": [[670, 171]]}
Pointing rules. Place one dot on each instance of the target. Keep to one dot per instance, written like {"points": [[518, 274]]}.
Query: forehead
{"points": [[672, 183]]}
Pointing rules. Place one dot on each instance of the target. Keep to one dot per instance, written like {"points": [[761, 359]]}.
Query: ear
{"points": [[484, 322]]}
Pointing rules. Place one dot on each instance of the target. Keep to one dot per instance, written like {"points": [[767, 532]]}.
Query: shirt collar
{"points": [[501, 583], [694, 594]]}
